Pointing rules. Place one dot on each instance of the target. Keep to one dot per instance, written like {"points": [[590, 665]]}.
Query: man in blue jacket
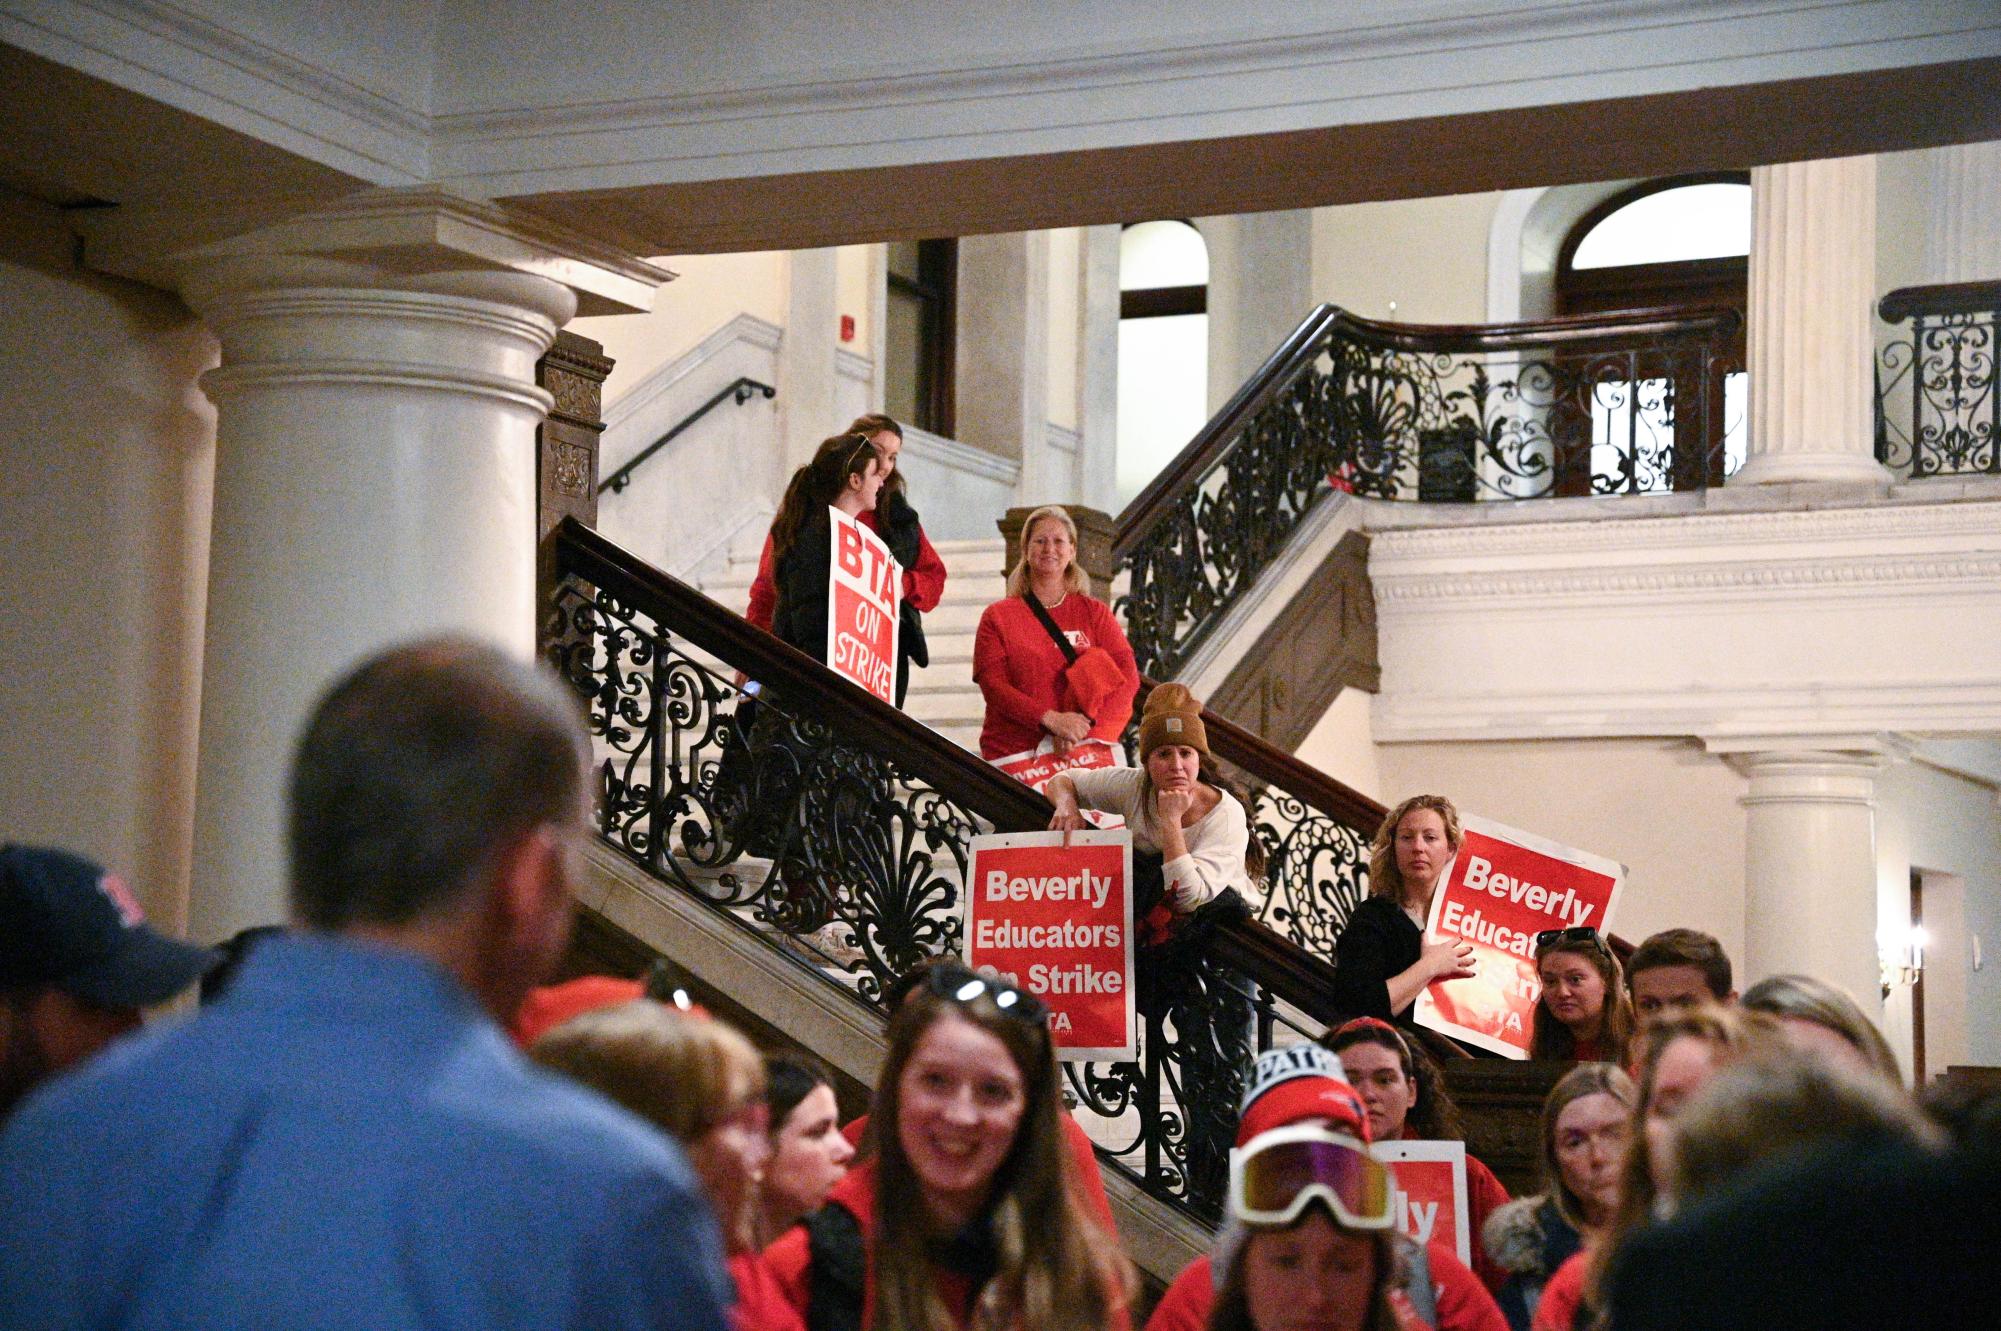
{"points": [[347, 1138]]}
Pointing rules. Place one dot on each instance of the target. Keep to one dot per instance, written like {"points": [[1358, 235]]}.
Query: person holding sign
{"points": [[1184, 821], [1583, 1015], [1406, 1099], [1381, 960], [965, 1216], [896, 522], [1303, 1184], [1050, 658]]}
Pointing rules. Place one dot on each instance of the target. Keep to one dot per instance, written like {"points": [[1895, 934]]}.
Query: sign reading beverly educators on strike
{"points": [[1503, 888], [1431, 1191], [864, 585], [1034, 767], [1057, 921]]}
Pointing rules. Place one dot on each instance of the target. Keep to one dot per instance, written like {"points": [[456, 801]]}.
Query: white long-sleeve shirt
{"points": [[1215, 858]]}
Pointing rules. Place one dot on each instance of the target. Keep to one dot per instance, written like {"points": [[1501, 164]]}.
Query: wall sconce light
{"points": [[1900, 955]]}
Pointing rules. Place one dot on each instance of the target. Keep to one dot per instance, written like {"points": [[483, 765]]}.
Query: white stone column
{"points": [[1098, 369], [807, 387], [1810, 340], [1810, 877], [375, 475], [1002, 357], [1963, 213]]}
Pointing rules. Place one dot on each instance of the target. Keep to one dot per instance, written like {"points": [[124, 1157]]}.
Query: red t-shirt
{"points": [[1019, 669], [761, 1302]]}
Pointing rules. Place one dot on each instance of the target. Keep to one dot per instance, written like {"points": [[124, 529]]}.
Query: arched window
{"points": [[1163, 347], [1683, 242]]}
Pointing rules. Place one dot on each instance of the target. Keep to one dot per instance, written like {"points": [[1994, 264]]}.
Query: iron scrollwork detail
{"points": [[1368, 415], [1937, 407], [785, 826]]}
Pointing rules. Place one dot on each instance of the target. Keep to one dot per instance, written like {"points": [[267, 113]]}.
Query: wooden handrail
{"points": [[1280, 965], [1942, 298], [1305, 343]]}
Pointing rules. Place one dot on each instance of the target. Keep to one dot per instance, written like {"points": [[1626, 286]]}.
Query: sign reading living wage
{"points": [[1503, 888], [1431, 1203], [1034, 767], [864, 586], [1057, 921]]}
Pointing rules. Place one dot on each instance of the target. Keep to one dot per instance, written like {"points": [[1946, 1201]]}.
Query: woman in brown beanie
{"points": [[1192, 848], [1199, 830]]}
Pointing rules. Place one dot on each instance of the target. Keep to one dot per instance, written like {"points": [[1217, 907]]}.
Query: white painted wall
{"points": [[105, 488], [1428, 257], [1947, 824], [707, 292]]}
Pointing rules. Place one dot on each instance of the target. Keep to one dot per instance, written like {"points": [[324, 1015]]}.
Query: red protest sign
{"points": [[864, 585], [1431, 1191], [1034, 767], [1503, 888], [1058, 922]]}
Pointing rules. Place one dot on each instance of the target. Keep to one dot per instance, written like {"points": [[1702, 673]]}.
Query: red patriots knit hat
{"points": [[1298, 1083]]}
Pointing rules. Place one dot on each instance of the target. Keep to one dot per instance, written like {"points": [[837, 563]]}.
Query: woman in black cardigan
{"points": [[1381, 961]]}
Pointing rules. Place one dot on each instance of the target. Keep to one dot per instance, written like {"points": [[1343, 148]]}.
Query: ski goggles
{"points": [[1273, 1179]]}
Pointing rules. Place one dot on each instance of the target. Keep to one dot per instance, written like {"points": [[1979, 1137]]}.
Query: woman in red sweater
{"points": [[1018, 665]]}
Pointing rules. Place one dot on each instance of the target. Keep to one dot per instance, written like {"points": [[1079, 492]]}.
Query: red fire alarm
{"points": [[847, 328]]}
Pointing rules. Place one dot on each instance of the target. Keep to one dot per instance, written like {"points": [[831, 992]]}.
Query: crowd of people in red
{"points": [[343, 1136]]}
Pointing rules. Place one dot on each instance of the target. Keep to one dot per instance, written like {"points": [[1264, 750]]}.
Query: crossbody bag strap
{"points": [[1042, 613]]}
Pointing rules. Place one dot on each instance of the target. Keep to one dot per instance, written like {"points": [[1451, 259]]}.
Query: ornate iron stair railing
{"points": [[849, 811], [1596, 405]]}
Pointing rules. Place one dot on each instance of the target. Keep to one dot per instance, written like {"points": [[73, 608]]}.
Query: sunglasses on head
{"points": [[966, 986], [1282, 1172], [1581, 933]]}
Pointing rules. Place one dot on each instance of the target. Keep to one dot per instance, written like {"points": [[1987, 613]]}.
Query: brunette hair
{"points": [[788, 1079], [1384, 878], [1807, 999], [1684, 947], [1209, 773], [873, 423], [1434, 1117], [1550, 1038], [1580, 1083], [1232, 1310], [1055, 1266], [818, 484], [1074, 579]]}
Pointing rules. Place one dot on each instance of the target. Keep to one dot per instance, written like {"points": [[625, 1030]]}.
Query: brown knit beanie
{"points": [[1172, 716]]}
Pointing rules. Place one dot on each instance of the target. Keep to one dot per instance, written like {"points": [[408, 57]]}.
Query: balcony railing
{"points": [[1599, 405], [1937, 410]]}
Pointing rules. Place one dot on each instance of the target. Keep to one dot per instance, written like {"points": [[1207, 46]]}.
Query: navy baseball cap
{"points": [[66, 923]]}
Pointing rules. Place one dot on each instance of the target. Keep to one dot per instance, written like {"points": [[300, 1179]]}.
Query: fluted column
{"points": [[374, 479], [1963, 213], [1813, 277], [1810, 883]]}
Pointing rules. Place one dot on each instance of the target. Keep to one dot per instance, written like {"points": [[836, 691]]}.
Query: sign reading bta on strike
{"points": [[1503, 888], [1431, 1203], [1057, 921], [864, 586]]}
